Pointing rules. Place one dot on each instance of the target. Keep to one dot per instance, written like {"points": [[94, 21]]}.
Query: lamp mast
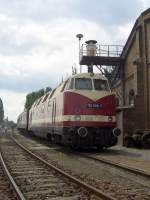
{"points": [[79, 36]]}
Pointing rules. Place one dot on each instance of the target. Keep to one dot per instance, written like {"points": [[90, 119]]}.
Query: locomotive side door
{"points": [[54, 113]]}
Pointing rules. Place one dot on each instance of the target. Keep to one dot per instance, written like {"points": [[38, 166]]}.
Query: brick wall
{"points": [[137, 77]]}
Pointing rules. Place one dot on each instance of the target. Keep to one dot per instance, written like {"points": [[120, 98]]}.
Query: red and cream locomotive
{"points": [[80, 112]]}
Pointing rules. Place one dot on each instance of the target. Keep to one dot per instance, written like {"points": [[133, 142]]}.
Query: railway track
{"points": [[122, 162], [108, 180], [145, 174], [121, 166], [37, 179], [6, 190]]}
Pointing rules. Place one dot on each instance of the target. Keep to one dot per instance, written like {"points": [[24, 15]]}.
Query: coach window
{"points": [[83, 84], [131, 97], [31, 117], [100, 84]]}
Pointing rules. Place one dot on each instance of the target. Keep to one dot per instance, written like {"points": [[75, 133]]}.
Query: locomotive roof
{"points": [[89, 75], [59, 88]]}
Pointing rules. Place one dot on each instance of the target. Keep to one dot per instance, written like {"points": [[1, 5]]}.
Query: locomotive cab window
{"points": [[101, 84], [83, 84]]}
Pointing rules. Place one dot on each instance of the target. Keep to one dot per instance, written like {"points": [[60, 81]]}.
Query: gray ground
{"points": [[142, 153]]}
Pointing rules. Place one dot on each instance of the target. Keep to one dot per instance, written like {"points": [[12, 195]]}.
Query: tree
{"points": [[1, 111], [48, 89], [32, 97]]}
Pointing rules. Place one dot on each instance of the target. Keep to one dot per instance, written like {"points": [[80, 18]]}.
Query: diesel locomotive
{"points": [[80, 112]]}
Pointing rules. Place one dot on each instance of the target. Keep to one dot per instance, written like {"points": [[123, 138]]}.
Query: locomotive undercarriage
{"points": [[88, 137], [79, 137]]}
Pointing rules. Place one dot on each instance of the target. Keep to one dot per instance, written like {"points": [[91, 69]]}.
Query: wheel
{"points": [[75, 147], [49, 137], [128, 141], [99, 147], [146, 140]]}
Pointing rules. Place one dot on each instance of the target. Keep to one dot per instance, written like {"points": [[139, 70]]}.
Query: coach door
{"points": [[54, 112]]}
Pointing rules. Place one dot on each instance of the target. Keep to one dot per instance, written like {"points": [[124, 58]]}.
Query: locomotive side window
{"points": [[69, 84], [52, 93], [45, 97], [35, 103], [39, 101], [83, 84], [64, 85], [100, 84]]}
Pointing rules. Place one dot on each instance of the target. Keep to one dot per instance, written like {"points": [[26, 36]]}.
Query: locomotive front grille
{"points": [[105, 137]]}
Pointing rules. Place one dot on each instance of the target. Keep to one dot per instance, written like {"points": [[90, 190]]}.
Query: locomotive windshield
{"points": [[83, 84], [100, 84], [87, 84]]}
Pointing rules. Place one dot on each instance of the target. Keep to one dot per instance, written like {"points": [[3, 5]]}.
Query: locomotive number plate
{"points": [[94, 105]]}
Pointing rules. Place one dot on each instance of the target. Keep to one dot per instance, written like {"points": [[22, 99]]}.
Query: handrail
{"points": [[102, 50]]}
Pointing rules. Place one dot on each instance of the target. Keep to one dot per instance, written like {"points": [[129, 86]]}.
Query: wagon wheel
{"points": [[99, 147], [74, 146], [128, 141], [146, 140]]}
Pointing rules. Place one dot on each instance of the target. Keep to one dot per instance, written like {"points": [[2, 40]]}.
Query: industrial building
{"points": [[133, 88]]}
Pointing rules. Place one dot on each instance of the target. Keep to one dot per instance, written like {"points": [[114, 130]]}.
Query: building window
{"points": [[131, 97]]}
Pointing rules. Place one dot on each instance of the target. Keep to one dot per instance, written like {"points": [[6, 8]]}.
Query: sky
{"points": [[38, 44]]}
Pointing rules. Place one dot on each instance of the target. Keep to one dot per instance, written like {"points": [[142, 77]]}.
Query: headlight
{"points": [[110, 118], [77, 117]]}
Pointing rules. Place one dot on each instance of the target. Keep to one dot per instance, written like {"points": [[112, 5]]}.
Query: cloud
{"points": [[54, 51], [39, 44], [145, 4], [109, 11], [13, 103]]}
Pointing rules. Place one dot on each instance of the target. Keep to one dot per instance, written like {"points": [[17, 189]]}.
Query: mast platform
{"points": [[109, 55]]}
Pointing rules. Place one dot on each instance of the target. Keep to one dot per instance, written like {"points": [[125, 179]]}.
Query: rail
{"points": [[16, 189], [120, 166], [91, 190]]}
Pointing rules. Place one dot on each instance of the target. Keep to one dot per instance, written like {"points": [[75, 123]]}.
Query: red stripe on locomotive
{"points": [[76, 104]]}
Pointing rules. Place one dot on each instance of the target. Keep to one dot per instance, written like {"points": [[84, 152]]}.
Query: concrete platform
{"points": [[135, 152]]}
